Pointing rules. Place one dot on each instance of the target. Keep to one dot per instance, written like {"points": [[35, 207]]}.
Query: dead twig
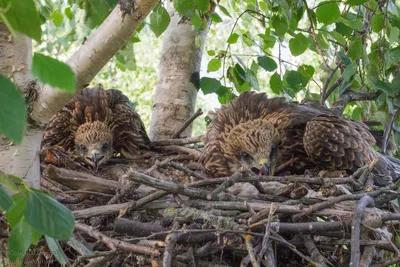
{"points": [[198, 113], [313, 251], [178, 142]]}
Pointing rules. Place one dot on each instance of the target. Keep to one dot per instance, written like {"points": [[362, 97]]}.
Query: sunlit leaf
{"points": [[295, 80], [328, 12], [21, 16], [53, 72], [377, 22], [214, 65], [68, 13], [298, 44], [276, 83], [232, 38], [12, 111], [280, 25], [355, 2], [57, 17], [196, 21], [202, 5], [215, 17], [159, 20], [185, 7], [209, 85], [307, 71], [224, 10]]}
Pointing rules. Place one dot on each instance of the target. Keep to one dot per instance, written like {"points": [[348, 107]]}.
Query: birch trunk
{"points": [[178, 78], [15, 61]]}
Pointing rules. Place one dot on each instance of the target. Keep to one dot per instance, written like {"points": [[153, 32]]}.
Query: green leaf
{"points": [[233, 38], [377, 22], [280, 25], [211, 53], [343, 57], [224, 10], [357, 114], [276, 83], [251, 78], [15, 214], [68, 13], [392, 56], [159, 20], [328, 12], [196, 21], [53, 72], [295, 80], [267, 63], [307, 71], [338, 37], [355, 49], [209, 85], [56, 249], [21, 16], [57, 17], [36, 236], [215, 17], [12, 111], [382, 86], [214, 65], [355, 2], [185, 7], [48, 216], [10, 182], [96, 13], [298, 45], [225, 95], [344, 29], [202, 5], [19, 241], [5, 199], [349, 71]]}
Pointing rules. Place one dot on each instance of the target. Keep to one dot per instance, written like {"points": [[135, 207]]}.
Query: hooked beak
{"points": [[266, 166], [95, 160]]}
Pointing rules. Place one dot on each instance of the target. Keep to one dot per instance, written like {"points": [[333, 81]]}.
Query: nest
{"points": [[163, 211]]}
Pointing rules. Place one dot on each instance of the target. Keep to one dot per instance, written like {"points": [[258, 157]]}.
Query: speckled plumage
{"points": [[246, 130], [97, 123]]}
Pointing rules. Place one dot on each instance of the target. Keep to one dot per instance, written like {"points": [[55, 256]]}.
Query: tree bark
{"points": [[91, 57], [15, 62], [178, 78]]}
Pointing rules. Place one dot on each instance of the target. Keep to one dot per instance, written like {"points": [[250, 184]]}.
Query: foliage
{"points": [[31, 214]]}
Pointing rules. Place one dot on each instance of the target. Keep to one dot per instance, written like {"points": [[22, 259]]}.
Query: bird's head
{"points": [[93, 143], [253, 145]]}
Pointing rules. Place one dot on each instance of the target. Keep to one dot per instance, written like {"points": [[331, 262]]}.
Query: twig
{"points": [[97, 254], [324, 93], [187, 171], [306, 227], [388, 263], [198, 113], [225, 185], [313, 251], [265, 241], [178, 142], [365, 201], [314, 35], [388, 131], [113, 244], [250, 250], [190, 151], [171, 240], [351, 96], [333, 87]]}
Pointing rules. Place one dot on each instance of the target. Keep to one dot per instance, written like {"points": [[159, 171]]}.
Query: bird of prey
{"points": [[95, 124], [253, 131]]}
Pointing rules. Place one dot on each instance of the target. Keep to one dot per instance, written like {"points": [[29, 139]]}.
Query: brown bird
{"points": [[95, 124], [253, 131]]}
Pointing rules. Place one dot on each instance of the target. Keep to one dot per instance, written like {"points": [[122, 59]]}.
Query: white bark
{"points": [[91, 57], [15, 61], [175, 96]]}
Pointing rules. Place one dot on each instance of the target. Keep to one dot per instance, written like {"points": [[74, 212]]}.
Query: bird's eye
{"points": [[104, 147], [82, 147], [246, 156]]}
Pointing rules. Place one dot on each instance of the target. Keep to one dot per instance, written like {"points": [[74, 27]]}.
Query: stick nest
{"points": [[163, 211]]}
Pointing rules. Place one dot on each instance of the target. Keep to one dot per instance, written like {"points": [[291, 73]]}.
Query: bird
{"points": [[95, 124], [257, 133]]}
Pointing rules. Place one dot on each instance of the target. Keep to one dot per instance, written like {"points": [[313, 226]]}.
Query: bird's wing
{"points": [[248, 106], [338, 143], [129, 132]]}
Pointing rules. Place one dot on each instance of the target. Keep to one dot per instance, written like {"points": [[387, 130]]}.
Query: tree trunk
{"points": [[178, 78], [15, 61]]}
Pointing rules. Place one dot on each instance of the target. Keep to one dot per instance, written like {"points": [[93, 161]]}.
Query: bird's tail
{"points": [[386, 170]]}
